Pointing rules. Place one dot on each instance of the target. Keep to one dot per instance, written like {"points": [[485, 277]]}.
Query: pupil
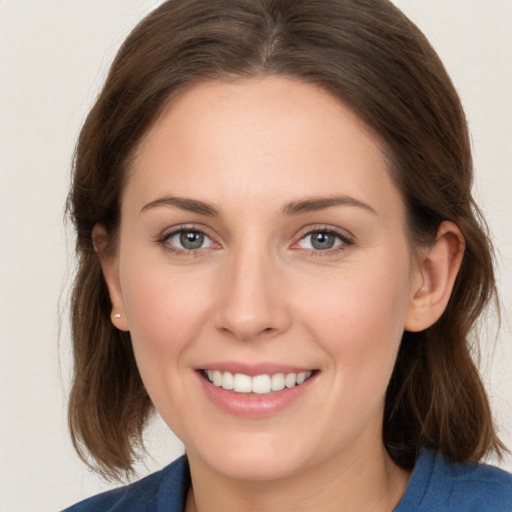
{"points": [[191, 239], [322, 241]]}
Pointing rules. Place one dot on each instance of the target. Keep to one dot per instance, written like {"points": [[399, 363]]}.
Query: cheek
{"points": [[166, 316], [165, 312], [360, 321]]}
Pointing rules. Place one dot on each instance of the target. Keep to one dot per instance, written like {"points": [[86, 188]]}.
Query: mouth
{"points": [[263, 384]]}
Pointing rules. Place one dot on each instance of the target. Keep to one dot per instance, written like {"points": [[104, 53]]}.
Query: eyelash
{"points": [[164, 241], [345, 241]]}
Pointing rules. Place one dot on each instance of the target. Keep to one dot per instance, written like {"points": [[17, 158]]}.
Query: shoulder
{"points": [[439, 485], [479, 486], [163, 490]]}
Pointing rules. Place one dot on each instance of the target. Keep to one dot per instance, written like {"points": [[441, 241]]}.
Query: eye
{"points": [[323, 240], [187, 240]]}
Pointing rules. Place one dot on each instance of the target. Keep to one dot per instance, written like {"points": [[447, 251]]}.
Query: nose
{"points": [[252, 302]]}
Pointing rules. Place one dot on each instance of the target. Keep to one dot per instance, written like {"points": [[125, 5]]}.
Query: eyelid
{"points": [[173, 231], [346, 237]]}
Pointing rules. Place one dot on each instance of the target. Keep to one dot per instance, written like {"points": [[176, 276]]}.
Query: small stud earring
{"points": [[117, 315]]}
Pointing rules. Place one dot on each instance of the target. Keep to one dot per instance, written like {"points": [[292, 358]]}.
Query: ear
{"points": [[109, 266], [437, 270]]}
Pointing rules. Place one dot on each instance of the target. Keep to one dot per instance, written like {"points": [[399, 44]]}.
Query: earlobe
{"points": [[109, 266], [438, 268]]}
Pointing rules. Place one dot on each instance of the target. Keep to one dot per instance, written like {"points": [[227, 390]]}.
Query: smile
{"points": [[258, 384]]}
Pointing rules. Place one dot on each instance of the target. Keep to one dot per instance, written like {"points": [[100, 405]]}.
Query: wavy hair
{"points": [[368, 55]]}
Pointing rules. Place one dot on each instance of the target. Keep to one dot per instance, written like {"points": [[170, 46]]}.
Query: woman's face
{"points": [[262, 243]]}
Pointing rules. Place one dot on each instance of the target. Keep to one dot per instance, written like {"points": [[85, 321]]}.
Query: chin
{"points": [[253, 459], [257, 468]]}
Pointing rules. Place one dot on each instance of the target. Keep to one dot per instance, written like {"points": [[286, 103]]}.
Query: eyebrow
{"points": [[183, 203], [292, 208], [314, 204]]}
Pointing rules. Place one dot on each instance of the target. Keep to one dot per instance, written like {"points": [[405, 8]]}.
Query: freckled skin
{"points": [[256, 291]]}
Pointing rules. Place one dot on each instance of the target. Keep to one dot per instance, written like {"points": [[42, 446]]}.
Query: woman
{"points": [[279, 251]]}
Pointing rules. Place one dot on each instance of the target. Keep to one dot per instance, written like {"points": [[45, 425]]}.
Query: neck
{"points": [[362, 482]]}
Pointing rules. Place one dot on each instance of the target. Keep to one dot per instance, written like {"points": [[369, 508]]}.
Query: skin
{"points": [[258, 291]]}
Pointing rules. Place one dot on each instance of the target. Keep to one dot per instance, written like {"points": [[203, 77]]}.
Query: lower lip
{"points": [[254, 405]]}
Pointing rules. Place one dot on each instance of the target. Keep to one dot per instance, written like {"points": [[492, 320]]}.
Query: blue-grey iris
{"points": [[191, 239]]}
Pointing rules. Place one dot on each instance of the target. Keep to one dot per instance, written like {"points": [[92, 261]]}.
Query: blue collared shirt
{"points": [[436, 485]]}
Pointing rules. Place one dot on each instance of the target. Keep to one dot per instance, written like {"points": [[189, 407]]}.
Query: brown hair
{"points": [[377, 62]]}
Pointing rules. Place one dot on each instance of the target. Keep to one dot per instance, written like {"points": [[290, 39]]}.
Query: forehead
{"points": [[251, 139]]}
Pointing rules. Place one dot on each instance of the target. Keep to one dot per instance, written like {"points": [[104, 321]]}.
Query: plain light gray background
{"points": [[53, 56]]}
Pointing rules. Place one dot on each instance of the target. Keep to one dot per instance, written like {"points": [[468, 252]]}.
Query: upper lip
{"points": [[254, 369]]}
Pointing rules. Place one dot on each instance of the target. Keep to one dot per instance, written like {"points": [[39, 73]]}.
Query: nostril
{"points": [[267, 330]]}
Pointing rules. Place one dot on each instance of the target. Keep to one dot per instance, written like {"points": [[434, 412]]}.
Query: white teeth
{"points": [[228, 381], [301, 377], [242, 383], [290, 380], [277, 382], [217, 378], [259, 384]]}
